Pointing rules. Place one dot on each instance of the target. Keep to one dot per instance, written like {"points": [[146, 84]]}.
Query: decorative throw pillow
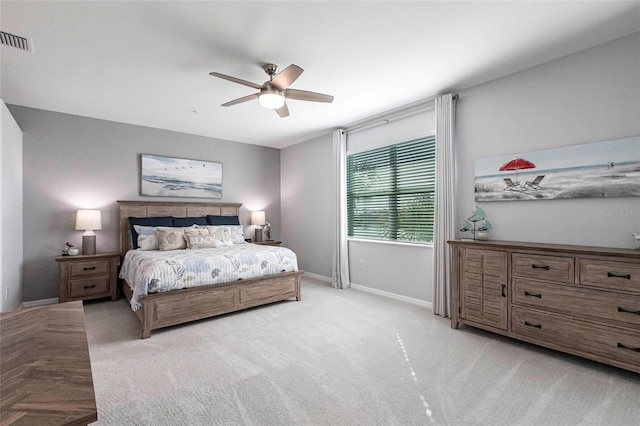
{"points": [[196, 241], [147, 238], [146, 221], [221, 235], [235, 232], [196, 230], [170, 238]]}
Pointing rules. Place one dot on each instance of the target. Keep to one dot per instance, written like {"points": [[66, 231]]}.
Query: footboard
{"points": [[180, 306]]}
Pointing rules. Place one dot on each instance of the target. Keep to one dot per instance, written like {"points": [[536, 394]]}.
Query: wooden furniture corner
{"points": [[268, 243], [45, 368]]}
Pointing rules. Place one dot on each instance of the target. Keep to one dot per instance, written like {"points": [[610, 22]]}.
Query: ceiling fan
{"points": [[272, 93]]}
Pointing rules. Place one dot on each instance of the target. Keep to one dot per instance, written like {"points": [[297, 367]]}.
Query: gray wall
{"points": [[590, 96], [73, 162], [10, 212], [308, 202]]}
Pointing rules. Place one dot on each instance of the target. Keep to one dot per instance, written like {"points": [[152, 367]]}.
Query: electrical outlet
{"points": [[362, 264], [6, 294]]}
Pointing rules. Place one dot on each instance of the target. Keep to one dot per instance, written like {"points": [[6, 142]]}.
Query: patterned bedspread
{"points": [[159, 271]]}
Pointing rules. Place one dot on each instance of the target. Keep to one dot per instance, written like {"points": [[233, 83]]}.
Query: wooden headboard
{"points": [[162, 208]]}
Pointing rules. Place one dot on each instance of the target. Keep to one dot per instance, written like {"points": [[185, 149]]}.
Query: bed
{"points": [[164, 309]]}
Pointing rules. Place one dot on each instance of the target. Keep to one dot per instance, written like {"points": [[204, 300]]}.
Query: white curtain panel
{"points": [[444, 220], [340, 278]]}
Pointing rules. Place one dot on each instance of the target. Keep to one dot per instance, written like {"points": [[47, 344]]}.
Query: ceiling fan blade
{"points": [[287, 76], [241, 100], [236, 80], [283, 111], [303, 95]]}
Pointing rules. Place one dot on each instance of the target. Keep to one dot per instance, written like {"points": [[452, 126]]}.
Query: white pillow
{"points": [[221, 234], [235, 232], [147, 238]]}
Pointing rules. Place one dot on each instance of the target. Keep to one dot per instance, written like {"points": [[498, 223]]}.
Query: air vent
{"points": [[14, 41]]}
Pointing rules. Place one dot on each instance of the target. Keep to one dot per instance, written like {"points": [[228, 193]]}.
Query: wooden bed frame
{"points": [[160, 310]]}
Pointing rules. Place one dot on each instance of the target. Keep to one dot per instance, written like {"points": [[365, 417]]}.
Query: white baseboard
{"points": [[41, 302], [411, 300], [317, 277]]}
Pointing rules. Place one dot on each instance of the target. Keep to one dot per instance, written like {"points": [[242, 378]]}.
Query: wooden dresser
{"points": [[46, 374], [580, 300]]}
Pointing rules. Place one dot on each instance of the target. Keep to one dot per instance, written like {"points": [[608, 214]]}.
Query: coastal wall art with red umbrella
{"points": [[515, 165], [604, 169]]}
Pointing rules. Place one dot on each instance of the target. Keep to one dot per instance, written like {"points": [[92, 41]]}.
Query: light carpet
{"points": [[341, 357]]}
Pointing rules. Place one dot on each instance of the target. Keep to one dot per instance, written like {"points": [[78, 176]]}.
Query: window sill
{"points": [[393, 243]]}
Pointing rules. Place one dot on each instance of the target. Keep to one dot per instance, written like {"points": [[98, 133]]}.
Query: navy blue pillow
{"points": [[147, 221], [223, 220], [188, 221]]}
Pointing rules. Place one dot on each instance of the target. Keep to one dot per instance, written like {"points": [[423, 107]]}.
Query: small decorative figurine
{"points": [[479, 232], [267, 230], [69, 250], [65, 248]]}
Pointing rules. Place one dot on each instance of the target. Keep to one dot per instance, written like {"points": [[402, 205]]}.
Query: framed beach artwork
{"points": [[180, 177], [595, 170]]}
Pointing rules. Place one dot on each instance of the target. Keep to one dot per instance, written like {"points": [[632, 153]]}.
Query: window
{"points": [[390, 192]]}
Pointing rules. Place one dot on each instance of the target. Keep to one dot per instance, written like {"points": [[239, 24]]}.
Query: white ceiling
{"points": [[148, 63]]}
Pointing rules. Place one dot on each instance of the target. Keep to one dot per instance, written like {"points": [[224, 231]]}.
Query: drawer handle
{"points": [[627, 311], [539, 296], [89, 286], [528, 324], [90, 269], [545, 267], [504, 290], [612, 275], [620, 345]]}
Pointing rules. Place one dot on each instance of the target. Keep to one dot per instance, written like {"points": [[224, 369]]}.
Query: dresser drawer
{"points": [[621, 276], [610, 342], [89, 268], [88, 287], [579, 302], [551, 268]]}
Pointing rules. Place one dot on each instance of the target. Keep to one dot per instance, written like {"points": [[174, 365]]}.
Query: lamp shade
{"points": [[88, 220], [258, 218]]}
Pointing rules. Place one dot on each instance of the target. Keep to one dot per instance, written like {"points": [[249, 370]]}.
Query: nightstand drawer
{"points": [[551, 268], [89, 268], [88, 276], [88, 287]]}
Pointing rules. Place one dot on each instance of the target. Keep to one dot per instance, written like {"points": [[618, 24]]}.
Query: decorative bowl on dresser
{"points": [[86, 277], [580, 300]]}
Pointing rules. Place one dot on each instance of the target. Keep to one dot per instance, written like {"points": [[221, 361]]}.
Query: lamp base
{"points": [[88, 244], [258, 236]]}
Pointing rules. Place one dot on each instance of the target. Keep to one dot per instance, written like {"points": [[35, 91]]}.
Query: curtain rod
{"points": [[394, 114]]}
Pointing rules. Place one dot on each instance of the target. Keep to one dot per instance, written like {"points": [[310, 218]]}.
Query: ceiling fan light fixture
{"points": [[271, 98]]}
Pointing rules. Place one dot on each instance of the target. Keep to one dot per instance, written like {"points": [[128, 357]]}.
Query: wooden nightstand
{"points": [[85, 277], [269, 243]]}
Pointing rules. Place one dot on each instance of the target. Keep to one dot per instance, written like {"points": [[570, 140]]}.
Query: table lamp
{"points": [[88, 221], [258, 218]]}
